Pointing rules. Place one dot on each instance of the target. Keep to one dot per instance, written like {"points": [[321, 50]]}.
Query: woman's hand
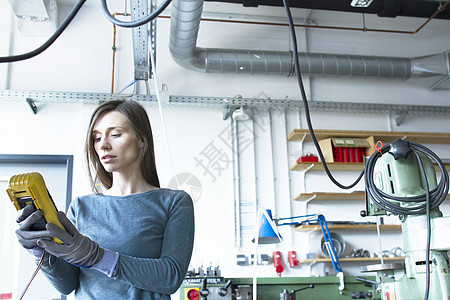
{"points": [[77, 249], [28, 218]]}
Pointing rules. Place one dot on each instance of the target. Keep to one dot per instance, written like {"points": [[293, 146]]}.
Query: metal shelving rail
{"points": [[221, 102]]}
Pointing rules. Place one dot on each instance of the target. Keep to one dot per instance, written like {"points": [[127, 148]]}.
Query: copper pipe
{"points": [[440, 8], [114, 50], [299, 25], [327, 27], [113, 59]]}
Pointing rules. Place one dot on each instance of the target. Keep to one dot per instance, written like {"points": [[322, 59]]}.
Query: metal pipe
{"points": [[185, 22], [114, 50], [440, 8], [290, 185], [312, 64], [10, 51], [364, 29], [255, 167], [113, 58], [272, 157], [236, 183]]}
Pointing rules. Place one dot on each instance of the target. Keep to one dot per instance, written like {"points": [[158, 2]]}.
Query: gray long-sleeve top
{"points": [[153, 232]]}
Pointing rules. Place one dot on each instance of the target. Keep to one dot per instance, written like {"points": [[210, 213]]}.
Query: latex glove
{"points": [[77, 249], [29, 220]]}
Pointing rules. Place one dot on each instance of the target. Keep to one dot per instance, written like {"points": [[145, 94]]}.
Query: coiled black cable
{"points": [[384, 201]]}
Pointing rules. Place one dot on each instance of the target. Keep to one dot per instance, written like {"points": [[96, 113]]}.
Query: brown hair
{"points": [[137, 118]]}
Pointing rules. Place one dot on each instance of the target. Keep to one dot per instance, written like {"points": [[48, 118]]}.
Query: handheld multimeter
{"points": [[29, 188]]}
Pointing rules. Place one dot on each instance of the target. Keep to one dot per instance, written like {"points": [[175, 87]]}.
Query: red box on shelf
{"points": [[348, 154], [346, 150], [308, 158]]}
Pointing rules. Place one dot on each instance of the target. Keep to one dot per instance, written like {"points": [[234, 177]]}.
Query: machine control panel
{"points": [[215, 292]]}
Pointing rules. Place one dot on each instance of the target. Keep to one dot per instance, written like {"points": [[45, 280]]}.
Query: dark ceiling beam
{"points": [[382, 8]]}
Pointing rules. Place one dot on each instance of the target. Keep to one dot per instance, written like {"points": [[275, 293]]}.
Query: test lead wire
{"points": [[41, 262]]}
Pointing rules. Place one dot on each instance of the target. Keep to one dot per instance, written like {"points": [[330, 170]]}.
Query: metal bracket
{"points": [[142, 64], [401, 118], [303, 138], [310, 198], [309, 167], [228, 110], [32, 105]]}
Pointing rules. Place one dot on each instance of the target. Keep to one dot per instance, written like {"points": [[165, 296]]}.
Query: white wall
{"points": [[80, 61]]}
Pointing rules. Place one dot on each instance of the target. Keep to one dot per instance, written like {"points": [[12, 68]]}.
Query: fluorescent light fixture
{"points": [[361, 3]]}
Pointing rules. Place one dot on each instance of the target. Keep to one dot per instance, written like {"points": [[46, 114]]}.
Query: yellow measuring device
{"points": [[29, 188]]}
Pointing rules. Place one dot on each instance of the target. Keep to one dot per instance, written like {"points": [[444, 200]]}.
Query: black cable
{"points": [[305, 103], [427, 254], [136, 23], [50, 41]]}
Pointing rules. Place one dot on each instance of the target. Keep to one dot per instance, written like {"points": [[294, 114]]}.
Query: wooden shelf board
{"points": [[330, 196], [331, 166], [349, 259], [341, 166], [384, 136], [334, 196], [348, 227]]}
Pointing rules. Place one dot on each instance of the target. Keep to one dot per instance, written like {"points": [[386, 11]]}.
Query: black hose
{"points": [[385, 201], [136, 23], [305, 103], [50, 41]]}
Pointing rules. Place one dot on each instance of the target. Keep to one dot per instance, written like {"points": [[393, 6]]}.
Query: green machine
{"points": [[288, 288], [401, 180]]}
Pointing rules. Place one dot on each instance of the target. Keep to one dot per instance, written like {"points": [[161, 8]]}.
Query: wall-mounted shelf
{"points": [[348, 227], [340, 166], [336, 166], [333, 196], [330, 196], [384, 136], [372, 137], [349, 259]]}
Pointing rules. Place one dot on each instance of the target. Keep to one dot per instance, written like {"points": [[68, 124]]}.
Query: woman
{"points": [[133, 241]]}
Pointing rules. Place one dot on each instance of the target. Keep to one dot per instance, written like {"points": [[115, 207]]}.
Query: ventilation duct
{"points": [[430, 71]]}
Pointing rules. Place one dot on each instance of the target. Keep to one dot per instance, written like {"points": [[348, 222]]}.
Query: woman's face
{"points": [[116, 144]]}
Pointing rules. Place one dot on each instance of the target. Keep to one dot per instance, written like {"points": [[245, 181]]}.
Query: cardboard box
{"points": [[351, 150]]}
